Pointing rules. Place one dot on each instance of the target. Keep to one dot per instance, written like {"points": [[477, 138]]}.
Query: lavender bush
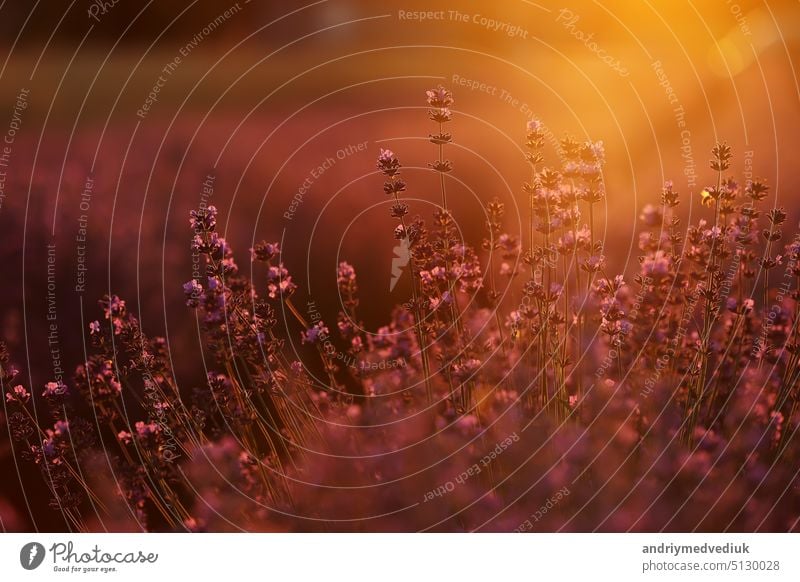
{"points": [[523, 387]]}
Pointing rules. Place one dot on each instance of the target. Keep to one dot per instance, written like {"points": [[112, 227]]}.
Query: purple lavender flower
{"points": [[439, 97], [203, 220], [54, 389], [315, 334], [535, 126], [651, 215], [279, 282], [657, 265], [192, 290], [18, 394], [145, 430], [265, 251], [345, 274], [388, 163]]}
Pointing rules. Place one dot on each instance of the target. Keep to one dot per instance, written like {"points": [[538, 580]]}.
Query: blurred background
{"points": [[148, 99]]}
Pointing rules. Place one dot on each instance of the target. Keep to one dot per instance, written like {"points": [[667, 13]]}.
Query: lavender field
{"points": [[382, 284]]}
